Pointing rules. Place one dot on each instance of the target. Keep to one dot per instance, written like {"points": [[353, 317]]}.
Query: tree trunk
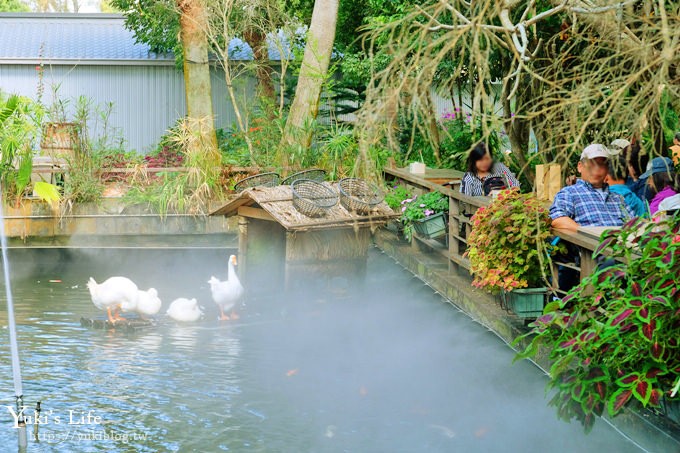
{"points": [[194, 42], [518, 129], [313, 72], [433, 127], [265, 82]]}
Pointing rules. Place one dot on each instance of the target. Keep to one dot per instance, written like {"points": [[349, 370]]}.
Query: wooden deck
{"points": [[461, 208], [127, 324], [436, 176]]}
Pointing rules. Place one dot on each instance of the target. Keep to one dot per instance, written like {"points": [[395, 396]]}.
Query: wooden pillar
{"points": [[587, 262], [454, 229], [468, 226], [548, 181], [288, 271], [242, 246]]}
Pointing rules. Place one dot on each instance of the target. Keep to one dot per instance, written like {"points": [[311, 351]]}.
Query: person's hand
{"points": [[571, 180]]}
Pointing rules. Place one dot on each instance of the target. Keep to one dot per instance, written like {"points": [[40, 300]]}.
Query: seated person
{"points": [[589, 202], [670, 204], [637, 159], [616, 179], [661, 180], [481, 166]]}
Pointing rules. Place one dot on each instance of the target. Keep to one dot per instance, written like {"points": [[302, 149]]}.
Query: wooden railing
{"points": [[461, 209]]}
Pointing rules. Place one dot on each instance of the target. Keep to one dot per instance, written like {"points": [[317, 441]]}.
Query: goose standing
{"points": [[185, 310], [226, 294], [113, 295]]}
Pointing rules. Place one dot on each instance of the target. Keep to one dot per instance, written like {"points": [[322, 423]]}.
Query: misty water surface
{"points": [[380, 367]]}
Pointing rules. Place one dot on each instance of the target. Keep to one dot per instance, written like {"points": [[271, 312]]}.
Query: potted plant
{"points": [[508, 253], [613, 340], [394, 197], [425, 214], [60, 137]]}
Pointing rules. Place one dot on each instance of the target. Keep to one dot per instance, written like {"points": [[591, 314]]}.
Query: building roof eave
{"points": [[83, 62]]}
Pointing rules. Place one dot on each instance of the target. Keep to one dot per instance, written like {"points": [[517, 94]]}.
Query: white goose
{"points": [[185, 310], [227, 294], [114, 295], [148, 303]]}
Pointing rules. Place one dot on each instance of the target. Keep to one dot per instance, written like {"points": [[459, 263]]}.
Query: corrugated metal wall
{"points": [[147, 100]]}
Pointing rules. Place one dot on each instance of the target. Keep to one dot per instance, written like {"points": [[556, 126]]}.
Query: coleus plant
{"points": [[508, 246], [615, 339]]}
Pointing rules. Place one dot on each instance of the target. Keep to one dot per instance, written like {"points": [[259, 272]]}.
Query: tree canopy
{"points": [[13, 6], [573, 73]]}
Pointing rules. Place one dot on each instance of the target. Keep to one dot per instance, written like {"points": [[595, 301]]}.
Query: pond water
{"points": [[384, 366]]}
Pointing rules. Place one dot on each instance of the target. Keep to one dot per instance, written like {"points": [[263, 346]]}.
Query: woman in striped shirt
{"points": [[482, 166]]}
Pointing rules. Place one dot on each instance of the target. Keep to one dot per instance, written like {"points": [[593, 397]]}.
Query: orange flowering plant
{"points": [[508, 246]]}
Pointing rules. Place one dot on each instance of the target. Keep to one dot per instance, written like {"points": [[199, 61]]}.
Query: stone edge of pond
{"points": [[648, 430]]}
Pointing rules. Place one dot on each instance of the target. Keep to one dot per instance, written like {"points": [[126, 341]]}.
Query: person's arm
{"points": [[565, 223], [562, 212]]}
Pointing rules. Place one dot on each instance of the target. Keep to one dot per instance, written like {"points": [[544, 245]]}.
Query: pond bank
{"points": [[111, 223], [648, 430]]}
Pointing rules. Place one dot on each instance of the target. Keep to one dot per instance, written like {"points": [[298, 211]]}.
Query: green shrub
{"points": [[613, 340]]}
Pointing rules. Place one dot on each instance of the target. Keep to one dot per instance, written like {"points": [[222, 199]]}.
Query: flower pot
{"points": [[431, 227], [671, 409], [527, 302]]}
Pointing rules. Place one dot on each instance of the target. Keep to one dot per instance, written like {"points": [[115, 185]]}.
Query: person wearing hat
{"points": [[662, 181], [589, 202], [618, 145]]}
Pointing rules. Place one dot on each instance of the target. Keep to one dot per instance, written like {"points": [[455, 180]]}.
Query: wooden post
{"points": [[287, 271], [587, 262], [467, 209], [548, 181], [454, 230], [242, 246]]}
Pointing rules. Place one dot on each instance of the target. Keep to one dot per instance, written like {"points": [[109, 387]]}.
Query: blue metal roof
{"points": [[27, 38]]}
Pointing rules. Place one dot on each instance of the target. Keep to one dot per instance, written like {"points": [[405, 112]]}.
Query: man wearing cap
{"points": [[589, 202]]}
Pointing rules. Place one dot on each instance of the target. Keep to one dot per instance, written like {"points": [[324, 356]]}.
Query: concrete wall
{"points": [[33, 224]]}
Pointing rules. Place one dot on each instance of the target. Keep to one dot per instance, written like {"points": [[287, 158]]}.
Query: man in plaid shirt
{"points": [[589, 202]]}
